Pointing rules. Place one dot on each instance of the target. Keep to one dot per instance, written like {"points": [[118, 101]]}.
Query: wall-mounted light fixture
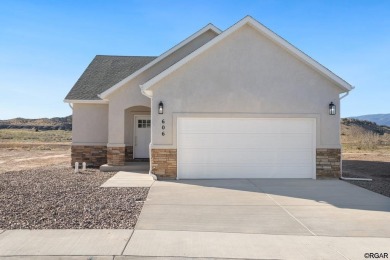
{"points": [[161, 108], [332, 109]]}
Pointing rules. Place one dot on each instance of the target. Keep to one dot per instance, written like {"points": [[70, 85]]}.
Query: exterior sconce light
{"points": [[161, 108], [332, 109]]}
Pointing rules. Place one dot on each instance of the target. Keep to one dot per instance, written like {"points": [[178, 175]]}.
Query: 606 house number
{"points": [[163, 127]]}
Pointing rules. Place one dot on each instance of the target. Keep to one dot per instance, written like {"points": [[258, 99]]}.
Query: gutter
{"points": [[144, 92], [343, 96], [341, 163]]}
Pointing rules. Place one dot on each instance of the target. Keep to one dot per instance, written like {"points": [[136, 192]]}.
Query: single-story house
{"points": [[239, 103]]}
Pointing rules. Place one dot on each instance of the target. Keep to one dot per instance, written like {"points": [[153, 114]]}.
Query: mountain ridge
{"points": [[377, 123], [380, 119], [39, 124]]}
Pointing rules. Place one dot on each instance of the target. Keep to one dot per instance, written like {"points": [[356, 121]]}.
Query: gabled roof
{"points": [[265, 31], [110, 90], [101, 74]]}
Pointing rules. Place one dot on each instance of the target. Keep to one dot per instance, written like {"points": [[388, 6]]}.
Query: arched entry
{"points": [[137, 133]]}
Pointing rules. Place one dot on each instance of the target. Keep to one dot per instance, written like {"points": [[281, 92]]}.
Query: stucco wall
{"points": [[123, 99], [245, 75], [90, 124], [130, 95]]}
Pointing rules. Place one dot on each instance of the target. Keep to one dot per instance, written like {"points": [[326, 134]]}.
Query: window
{"points": [[144, 123]]}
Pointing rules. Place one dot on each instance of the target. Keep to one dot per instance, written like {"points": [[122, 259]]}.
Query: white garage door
{"points": [[212, 148]]}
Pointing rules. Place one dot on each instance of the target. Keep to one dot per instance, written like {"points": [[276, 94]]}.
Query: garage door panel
{"points": [[267, 141], [246, 148], [210, 171], [225, 156], [242, 126]]}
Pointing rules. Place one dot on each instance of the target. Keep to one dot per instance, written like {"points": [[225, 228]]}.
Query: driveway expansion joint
{"points": [[225, 232], [338, 252], [124, 248], [288, 212]]}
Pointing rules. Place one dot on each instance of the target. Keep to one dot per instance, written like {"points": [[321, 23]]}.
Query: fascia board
{"points": [[74, 101]]}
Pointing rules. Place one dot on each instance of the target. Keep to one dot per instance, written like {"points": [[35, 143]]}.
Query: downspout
{"points": [[150, 144], [341, 163], [70, 105]]}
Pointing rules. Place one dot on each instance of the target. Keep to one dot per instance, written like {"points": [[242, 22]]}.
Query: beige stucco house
{"points": [[242, 103]]}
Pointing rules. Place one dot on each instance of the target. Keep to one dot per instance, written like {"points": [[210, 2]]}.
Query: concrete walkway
{"points": [[247, 219], [63, 242], [129, 179], [133, 174], [126, 244]]}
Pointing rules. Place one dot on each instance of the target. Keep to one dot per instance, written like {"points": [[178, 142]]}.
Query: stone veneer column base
{"points": [[93, 155], [116, 156], [328, 163], [128, 153], [164, 163]]}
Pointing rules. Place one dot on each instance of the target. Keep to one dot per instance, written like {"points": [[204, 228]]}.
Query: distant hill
{"points": [[41, 124], [363, 135], [380, 119], [364, 125], [65, 123]]}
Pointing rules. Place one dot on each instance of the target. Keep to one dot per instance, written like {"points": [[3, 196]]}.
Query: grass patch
{"points": [[31, 136], [358, 139], [357, 148]]}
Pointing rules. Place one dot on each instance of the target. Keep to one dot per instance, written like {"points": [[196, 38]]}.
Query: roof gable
{"points": [[269, 34], [208, 27]]}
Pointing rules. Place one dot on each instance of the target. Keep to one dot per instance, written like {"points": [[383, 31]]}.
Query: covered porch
{"points": [[129, 137]]}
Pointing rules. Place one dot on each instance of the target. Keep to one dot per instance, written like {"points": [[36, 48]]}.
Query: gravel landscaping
{"points": [[56, 198], [378, 185], [373, 166]]}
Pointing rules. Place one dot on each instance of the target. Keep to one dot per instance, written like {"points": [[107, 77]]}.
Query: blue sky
{"points": [[46, 45]]}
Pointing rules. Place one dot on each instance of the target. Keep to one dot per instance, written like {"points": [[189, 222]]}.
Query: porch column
{"points": [[116, 147]]}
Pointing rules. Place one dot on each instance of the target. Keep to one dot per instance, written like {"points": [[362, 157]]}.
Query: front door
{"points": [[142, 136]]}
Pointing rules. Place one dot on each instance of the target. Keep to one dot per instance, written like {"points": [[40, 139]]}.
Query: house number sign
{"points": [[163, 127]]}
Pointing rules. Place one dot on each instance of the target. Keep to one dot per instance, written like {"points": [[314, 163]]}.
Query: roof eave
{"points": [[80, 101]]}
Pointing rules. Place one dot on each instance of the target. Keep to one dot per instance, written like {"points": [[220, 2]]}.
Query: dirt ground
{"points": [[17, 156], [370, 165]]}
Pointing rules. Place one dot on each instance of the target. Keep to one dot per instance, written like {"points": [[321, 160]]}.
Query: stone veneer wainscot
{"points": [[328, 163], [164, 163], [94, 155]]}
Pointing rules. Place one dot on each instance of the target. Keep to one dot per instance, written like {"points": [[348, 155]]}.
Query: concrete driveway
{"points": [[226, 219], [278, 207], [295, 215]]}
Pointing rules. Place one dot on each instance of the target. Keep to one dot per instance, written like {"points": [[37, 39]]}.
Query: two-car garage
{"points": [[211, 148]]}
